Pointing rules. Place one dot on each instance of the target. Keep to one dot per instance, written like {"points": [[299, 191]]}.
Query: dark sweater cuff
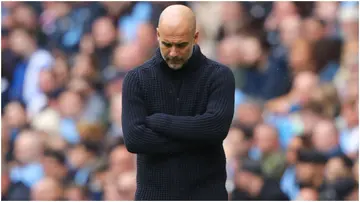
{"points": [[157, 122]]}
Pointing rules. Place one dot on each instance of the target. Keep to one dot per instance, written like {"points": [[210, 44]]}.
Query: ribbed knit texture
{"points": [[176, 120]]}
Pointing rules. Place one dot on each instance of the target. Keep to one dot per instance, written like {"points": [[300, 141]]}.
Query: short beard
{"points": [[181, 66]]}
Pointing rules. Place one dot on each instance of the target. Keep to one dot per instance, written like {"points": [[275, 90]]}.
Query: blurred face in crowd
{"points": [[146, 36], [70, 104], [335, 169], [74, 193], [47, 189], [115, 7], [252, 52], [308, 194], [290, 30], [325, 136], [249, 114], [266, 138], [104, 32], [19, 42], [87, 45], [121, 160], [302, 83], [231, 12], [15, 115], [79, 85], [46, 81], [177, 35], [61, 71], [53, 168], [78, 156], [228, 51], [236, 143], [56, 142], [24, 16], [129, 56], [305, 172], [326, 10], [83, 66], [312, 29], [28, 147], [284, 9], [300, 56], [291, 153]]}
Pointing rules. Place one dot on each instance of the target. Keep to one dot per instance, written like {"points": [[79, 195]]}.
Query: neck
{"points": [[31, 49], [258, 183]]}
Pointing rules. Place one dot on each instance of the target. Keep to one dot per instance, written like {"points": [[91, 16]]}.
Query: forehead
{"points": [[175, 34]]}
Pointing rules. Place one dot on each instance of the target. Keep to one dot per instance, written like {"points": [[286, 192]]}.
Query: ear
{"points": [[196, 37], [158, 34]]}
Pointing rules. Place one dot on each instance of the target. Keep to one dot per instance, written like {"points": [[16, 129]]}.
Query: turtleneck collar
{"points": [[193, 63]]}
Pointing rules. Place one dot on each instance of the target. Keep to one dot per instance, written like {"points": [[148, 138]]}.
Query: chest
{"points": [[185, 95]]}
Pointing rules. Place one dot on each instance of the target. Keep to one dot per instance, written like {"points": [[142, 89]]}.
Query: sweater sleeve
{"points": [[213, 125], [137, 137]]}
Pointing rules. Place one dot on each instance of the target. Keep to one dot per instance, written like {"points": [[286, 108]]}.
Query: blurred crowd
{"points": [[295, 134]]}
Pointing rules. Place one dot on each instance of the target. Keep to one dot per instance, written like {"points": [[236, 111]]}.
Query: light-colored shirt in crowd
{"points": [[33, 96]]}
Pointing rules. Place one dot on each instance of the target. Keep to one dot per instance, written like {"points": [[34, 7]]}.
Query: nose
{"points": [[173, 52]]}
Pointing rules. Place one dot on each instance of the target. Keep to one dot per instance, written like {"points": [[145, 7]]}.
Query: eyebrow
{"points": [[179, 43]]}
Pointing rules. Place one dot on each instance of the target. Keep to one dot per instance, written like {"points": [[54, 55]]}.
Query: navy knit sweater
{"points": [[175, 121]]}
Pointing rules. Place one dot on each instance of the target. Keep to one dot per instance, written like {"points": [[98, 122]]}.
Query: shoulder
{"points": [[144, 68], [219, 70], [42, 54], [140, 71], [43, 57]]}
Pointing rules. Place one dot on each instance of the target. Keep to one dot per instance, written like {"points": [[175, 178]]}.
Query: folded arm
{"points": [[213, 125], [137, 137]]}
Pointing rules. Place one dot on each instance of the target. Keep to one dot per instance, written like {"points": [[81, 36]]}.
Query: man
{"points": [[34, 59], [177, 110]]}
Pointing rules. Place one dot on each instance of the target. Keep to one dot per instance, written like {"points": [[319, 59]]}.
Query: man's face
{"points": [[176, 46], [305, 172], [53, 168]]}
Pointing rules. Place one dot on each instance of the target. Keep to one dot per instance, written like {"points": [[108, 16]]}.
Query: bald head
{"points": [[178, 16], [177, 35]]}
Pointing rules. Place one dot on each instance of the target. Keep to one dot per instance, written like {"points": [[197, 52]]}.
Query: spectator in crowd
{"points": [[295, 130], [272, 158], [75, 193], [260, 188], [307, 194], [325, 138], [26, 84], [54, 164], [48, 189], [309, 169], [288, 181], [104, 36], [337, 168]]}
